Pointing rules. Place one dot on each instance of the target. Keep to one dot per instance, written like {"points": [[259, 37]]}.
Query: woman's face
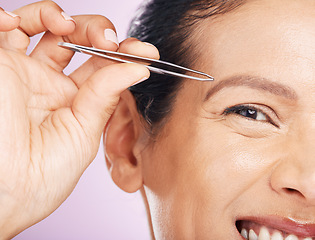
{"points": [[239, 152]]}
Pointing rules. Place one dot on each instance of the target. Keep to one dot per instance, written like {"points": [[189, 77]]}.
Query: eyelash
{"points": [[248, 109]]}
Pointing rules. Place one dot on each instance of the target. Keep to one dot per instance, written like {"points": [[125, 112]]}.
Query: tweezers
{"points": [[156, 66]]}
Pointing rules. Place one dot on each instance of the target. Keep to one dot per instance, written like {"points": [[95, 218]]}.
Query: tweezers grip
{"points": [[156, 66]]}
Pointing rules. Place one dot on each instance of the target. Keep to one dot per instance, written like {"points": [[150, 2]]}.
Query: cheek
{"points": [[230, 163], [197, 174]]}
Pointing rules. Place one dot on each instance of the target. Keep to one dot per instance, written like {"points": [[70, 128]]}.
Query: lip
{"points": [[299, 228]]}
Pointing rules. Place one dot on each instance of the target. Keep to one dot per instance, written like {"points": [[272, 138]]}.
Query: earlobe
{"points": [[120, 139]]}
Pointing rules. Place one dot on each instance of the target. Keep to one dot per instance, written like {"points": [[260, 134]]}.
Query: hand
{"points": [[51, 124]]}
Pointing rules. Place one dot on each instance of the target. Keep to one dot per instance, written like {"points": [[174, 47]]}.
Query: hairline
{"points": [[189, 25]]}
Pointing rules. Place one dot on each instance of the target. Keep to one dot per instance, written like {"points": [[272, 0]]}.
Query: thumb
{"points": [[99, 96]]}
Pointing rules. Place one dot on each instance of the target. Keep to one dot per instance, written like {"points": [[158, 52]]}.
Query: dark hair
{"points": [[168, 24]]}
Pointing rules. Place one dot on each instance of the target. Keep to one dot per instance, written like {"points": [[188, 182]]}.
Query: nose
{"points": [[294, 176]]}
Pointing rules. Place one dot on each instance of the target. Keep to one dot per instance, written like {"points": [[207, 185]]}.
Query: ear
{"points": [[121, 139]]}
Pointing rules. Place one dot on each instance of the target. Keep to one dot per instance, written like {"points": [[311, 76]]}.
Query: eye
{"points": [[250, 112]]}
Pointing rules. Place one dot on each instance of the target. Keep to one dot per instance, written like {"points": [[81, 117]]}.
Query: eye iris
{"points": [[249, 113]]}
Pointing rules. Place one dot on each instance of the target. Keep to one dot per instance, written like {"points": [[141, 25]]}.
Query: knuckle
{"points": [[49, 3], [101, 20], [110, 109], [90, 85]]}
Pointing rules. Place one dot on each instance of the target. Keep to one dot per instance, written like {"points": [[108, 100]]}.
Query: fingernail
{"points": [[110, 35], [149, 44], [67, 17], [11, 14], [143, 79]]}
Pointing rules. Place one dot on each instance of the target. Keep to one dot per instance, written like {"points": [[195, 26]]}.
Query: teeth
{"points": [[244, 233], [252, 235], [276, 236], [291, 237], [264, 234]]}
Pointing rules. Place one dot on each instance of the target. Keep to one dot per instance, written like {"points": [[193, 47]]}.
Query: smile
{"points": [[275, 229]]}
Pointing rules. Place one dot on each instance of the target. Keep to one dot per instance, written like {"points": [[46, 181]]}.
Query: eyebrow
{"points": [[254, 82]]}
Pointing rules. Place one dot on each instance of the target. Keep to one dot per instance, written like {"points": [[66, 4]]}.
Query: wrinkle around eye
{"points": [[248, 127], [237, 125]]}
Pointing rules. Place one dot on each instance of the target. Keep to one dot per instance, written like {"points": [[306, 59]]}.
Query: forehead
{"points": [[273, 38]]}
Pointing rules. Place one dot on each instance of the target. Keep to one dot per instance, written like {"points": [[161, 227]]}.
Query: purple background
{"points": [[96, 209]]}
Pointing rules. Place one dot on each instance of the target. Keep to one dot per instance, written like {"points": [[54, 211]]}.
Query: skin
{"points": [[51, 124], [206, 169], [209, 166]]}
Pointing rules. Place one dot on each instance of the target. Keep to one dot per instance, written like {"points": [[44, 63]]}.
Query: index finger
{"points": [[91, 30], [42, 16], [37, 18]]}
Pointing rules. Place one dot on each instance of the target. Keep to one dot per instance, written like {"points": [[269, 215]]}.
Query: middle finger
{"points": [[91, 30]]}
